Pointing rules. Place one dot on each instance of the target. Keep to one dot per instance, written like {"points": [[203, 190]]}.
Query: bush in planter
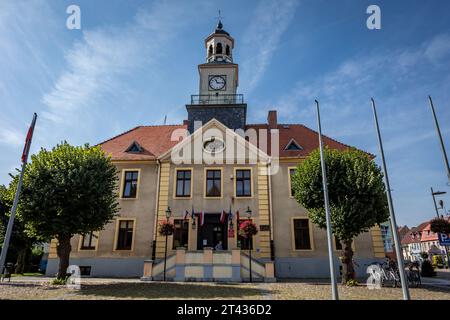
{"points": [[166, 228], [427, 269]]}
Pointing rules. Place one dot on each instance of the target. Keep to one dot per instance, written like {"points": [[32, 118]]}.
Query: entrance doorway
{"points": [[212, 232]]}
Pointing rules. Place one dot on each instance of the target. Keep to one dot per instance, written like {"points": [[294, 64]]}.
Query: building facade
{"points": [[208, 175]]}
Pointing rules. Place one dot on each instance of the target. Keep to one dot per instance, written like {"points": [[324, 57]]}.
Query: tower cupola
{"points": [[219, 46]]}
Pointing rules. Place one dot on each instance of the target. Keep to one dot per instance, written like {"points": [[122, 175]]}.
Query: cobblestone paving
{"points": [[134, 289]]}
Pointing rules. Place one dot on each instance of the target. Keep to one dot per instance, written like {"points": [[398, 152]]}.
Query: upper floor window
{"points": [[213, 183], [130, 184], [243, 183], [125, 235], [89, 241], [227, 50], [183, 183], [302, 236]]}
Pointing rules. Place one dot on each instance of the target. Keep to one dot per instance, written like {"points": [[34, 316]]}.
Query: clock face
{"points": [[217, 82], [214, 145]]}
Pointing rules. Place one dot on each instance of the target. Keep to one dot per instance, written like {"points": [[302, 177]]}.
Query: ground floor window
{"points": [[302, 236], [181, 233], [89, 241], [125, 235]]}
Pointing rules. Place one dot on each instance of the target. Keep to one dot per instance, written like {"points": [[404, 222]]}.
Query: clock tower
{"points": [[219, 80]]}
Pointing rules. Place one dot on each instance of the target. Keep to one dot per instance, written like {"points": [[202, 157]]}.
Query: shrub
{"points": [[351, 283], [59, 281], [427, 269], [440, 225]]}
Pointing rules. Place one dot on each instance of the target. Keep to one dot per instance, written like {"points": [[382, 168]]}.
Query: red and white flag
{"points": [[202, 218], [26, 148], [223, 216]]}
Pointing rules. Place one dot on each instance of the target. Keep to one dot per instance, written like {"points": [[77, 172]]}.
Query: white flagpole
{"points": [[398, 252], [334, 290], [9, 228]]}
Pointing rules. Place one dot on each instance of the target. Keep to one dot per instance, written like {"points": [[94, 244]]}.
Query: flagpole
{"points": [[441, 141], [334, 290], [12, 216], [398, 252]]}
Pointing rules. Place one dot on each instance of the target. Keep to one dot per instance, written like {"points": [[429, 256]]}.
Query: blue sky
{"points": [[133, 62]]}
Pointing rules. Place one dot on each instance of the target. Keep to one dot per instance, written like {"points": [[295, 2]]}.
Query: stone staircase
{"points": [[209, 265]]}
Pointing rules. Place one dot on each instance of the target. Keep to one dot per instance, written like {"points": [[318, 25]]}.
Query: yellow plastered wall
{"points": [[263, 210], [163, 202], [52, 249], [377, 242]]}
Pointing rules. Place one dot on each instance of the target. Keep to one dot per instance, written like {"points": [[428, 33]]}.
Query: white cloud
{"points": [[96, 63], [268, 23], [11, 137]]}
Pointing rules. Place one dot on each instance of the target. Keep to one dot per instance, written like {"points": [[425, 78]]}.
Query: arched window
{"points": [[210, 50], [227, 50], [219, 48]]}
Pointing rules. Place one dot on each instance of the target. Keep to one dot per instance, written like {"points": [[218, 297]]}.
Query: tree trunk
{"points": [[348, 272], [63, 250], [20, 264]]}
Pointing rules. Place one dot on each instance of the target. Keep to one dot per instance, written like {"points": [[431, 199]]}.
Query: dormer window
{"points": [[293, 146], [134, 148]]}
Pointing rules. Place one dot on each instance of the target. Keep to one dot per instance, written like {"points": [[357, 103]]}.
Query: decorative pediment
{"points": [[215, 143]]}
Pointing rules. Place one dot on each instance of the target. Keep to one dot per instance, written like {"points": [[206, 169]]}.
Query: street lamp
{"points": [[433, 194], [168, 214], [250, 247]]}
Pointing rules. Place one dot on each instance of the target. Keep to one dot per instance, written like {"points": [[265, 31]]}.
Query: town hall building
{"points": [[207, 175]]}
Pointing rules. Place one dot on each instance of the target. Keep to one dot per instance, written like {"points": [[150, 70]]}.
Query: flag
{"points": [[223, 216], [202, 218], [186, 214], [28, 139]]}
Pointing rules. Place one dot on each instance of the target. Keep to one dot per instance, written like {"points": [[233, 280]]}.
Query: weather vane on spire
{"points": [[219, 20]]}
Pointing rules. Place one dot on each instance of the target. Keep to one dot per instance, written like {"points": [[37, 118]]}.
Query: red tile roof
{"points": [[155, 140], [414, 235], [307, 138]]}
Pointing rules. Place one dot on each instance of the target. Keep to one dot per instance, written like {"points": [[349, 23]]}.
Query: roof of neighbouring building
{"points": [[414, 234]]}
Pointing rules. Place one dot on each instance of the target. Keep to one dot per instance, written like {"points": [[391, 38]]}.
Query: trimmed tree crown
{"points": [[68, 190], [355, 188]]}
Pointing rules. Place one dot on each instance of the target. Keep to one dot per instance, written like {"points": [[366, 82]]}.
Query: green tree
{"points": [[67, 191], [356, 193]]}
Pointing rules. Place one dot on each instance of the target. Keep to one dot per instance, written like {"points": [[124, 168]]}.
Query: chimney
{"points": [[272, 119]]}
